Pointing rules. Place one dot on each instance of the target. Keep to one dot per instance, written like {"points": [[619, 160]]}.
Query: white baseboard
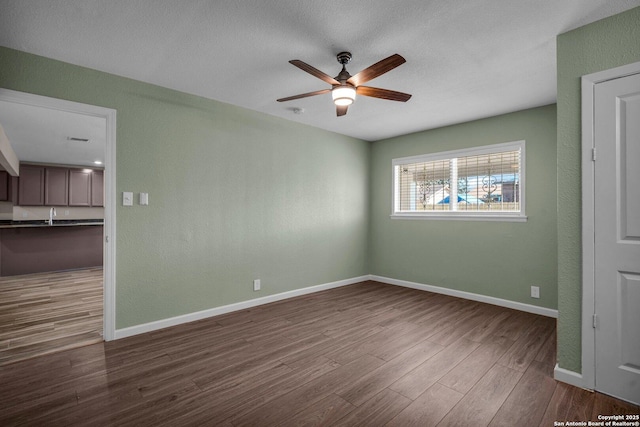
{"points": [[543, 311], [569, 377], [216, 311]]}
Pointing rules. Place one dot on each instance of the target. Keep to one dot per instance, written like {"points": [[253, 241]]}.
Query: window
{"points": [[488, 183]]}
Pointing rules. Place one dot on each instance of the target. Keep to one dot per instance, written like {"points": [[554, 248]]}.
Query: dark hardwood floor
{"points": [[367, 354]]}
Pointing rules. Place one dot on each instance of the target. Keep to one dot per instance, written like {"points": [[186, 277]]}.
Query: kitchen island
{"points": [[35, 246]]}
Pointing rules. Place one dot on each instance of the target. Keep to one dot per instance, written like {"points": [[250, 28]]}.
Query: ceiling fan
{"points": [[345, 86]]}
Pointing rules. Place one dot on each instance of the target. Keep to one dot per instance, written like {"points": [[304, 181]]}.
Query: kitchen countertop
{"points": [[45, 223]]}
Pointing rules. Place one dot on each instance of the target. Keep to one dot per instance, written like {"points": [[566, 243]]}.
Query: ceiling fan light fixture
{"points": [[343, 94]]}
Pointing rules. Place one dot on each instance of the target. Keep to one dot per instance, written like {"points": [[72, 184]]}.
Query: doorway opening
{"points": [[87, 277]]}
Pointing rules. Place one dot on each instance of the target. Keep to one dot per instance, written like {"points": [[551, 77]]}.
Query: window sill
{"points": [[463, 217]]}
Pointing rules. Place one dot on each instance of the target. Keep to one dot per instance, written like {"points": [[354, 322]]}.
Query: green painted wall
{"points": [[605, 44], [498, 259], [234, 194], [237, 195]]}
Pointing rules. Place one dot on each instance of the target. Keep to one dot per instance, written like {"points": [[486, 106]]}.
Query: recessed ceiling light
{"points": [[98, 162]]}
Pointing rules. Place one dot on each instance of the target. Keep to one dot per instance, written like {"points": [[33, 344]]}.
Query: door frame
{"points": [[589, 83], [109, 235]]}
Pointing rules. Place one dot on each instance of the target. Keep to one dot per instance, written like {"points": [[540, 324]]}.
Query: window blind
{"points": [[487, 181]]}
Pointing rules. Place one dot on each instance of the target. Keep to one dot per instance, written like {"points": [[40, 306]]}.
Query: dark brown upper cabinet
{"points": [[31, 186], [8, 188], [80, 187], [4, 186], [97, 188], [56, 186], [56, 190]]}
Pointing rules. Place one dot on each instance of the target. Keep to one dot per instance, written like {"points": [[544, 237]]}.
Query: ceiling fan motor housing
{"points": [[344, 57]]}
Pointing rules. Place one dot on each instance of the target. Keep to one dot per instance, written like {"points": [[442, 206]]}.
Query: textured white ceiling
{"points": [[465, 59]]}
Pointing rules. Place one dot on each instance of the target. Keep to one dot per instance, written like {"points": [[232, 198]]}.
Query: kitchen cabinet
{"points": [[80, 187], [31, 186], [56, 186], [97, 188], [13, 189], [42, 249], [8, 188], [56, 190], [4, 186]]}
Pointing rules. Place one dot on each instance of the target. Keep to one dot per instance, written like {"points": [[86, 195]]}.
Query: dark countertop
{"points": [[45, 223]]}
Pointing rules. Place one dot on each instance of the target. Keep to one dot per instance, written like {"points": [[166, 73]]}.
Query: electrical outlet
{"points": [[256, 285], [535, 292]]}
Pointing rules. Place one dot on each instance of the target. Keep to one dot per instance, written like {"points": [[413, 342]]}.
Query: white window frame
{"points": [[462, 215]]}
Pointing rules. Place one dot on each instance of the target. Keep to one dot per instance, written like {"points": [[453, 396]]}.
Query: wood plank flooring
{"points": [[48, 312], [368, 354]]}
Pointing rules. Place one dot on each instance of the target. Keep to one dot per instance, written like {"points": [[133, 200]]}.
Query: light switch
{"points": [[127, 198], [144, 199]]}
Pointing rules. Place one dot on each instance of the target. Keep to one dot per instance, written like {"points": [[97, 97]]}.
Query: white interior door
{"points": [[617, 237]]}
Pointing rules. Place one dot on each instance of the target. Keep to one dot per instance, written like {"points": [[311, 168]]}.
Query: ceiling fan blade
{"points": [[304, 95], [377, 69], [341, 110], [375, 92], [314, 71]]}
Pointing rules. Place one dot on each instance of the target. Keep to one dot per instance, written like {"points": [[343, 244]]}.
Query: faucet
{"points": [[52, 214]]}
